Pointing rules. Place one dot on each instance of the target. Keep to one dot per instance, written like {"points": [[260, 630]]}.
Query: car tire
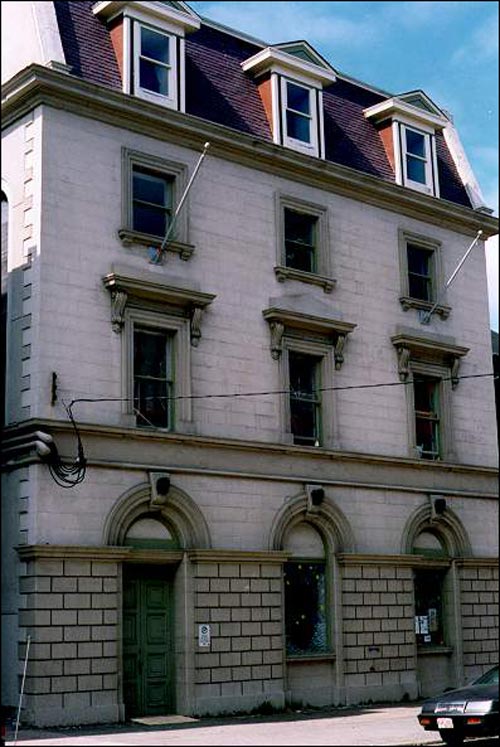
{"points": [[451, 737]]}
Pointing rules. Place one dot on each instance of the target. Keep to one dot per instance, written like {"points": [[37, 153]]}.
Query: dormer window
{"points": [[297, 115], [290, 79], [407, 125], [148, 39], [155, 65], [417, 166]]}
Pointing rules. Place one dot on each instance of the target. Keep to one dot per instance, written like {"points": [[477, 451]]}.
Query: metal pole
{"points": [[181, 203], [28, 641], [426, 317]]}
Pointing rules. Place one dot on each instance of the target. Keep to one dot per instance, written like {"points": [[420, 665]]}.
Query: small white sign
{"points": [[203, 635]]}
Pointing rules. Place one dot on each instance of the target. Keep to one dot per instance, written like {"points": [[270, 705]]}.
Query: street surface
{"points": [[375, 725]]}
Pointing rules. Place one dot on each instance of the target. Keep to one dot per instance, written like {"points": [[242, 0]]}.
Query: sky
{"points": [[448, 49]]}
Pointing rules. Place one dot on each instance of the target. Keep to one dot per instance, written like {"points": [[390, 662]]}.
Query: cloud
{"points": [[482, 45], [274, 22]]}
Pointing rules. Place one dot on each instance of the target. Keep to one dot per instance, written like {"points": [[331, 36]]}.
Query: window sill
{"points": [[415, 303], [129, 237], [434, 650], [289, 273], [324, 656]]}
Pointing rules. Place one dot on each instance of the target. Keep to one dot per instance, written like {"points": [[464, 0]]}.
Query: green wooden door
{"points": [[148, 655]]}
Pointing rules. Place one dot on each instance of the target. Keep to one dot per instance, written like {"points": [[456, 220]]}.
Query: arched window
{"points": [[306, 619], [150, 533], [430, 591]]}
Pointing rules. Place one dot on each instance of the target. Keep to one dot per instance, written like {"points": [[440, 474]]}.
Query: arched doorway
{"points": [[148, 624], [156, 599]]}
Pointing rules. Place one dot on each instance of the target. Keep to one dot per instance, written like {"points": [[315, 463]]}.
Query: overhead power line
{"points": [[234, 395]]}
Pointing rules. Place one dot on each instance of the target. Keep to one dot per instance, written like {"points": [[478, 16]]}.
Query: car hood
{"points": [[473, 692]]}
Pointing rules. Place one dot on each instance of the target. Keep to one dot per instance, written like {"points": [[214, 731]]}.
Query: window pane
{"points": [[153, 77], [304, 398], [425, 392], [154, 45], [419, 272], [298, 127], [150, 353], [415, 143], [151, 188], [429, 607], [300, 240], [297, 98], [148, 219], [419, 259], [305, 608], [415, 169], [425, 395], [152, 385]]}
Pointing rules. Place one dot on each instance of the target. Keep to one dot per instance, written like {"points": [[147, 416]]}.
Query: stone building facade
{"points": [[290, 487]]}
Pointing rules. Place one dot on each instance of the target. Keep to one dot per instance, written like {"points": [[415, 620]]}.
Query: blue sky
{"points": [[449, 49]]}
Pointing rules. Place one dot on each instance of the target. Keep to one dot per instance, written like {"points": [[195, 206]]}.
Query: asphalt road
{"points": [[384, 726]]}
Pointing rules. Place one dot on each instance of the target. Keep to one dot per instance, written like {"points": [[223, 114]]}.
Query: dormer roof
{"points": [[291, 58], [178, 14], [214, 62], [414, 105]]}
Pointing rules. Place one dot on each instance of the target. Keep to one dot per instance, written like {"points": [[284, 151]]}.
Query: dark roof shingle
{"points": [[219, 91]]}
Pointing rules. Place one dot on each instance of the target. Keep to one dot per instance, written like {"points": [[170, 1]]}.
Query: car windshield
{"points": [[488, 678]]}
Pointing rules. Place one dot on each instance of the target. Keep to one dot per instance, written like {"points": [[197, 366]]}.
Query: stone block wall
{"points": [[479, 610], [378, 636], [243, 667], [70, 611]]}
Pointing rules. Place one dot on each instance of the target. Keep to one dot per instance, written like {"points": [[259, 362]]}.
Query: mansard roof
{"points": [[218, 90]]}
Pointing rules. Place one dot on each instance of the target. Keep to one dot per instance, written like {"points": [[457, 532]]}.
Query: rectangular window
{"points": [[429, 628], [151, 201], [420, 272], [305, 605], [300, 240], [153, 377], [417, 159], [427, 420], [305, 398]]}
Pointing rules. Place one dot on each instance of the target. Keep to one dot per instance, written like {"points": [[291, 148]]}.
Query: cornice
{"points": [[37, 85], [399, 560], [240, 459], [237, 556]]}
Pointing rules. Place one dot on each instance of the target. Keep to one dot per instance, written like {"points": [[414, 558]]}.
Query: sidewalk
{"points": [[369, 725]]}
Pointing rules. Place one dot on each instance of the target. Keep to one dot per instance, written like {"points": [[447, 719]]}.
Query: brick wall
{"points": [[243, 667], [479, 608], [69, 609], [378, 636]]}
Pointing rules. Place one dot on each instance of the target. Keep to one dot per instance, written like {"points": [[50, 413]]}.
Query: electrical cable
{"points": [[270, 392]]}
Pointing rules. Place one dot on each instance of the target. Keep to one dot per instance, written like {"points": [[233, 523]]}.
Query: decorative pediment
{"points": [[125, 283], [296, 59], [306, 313], [178, 15], [414, 107], [429, 349]]}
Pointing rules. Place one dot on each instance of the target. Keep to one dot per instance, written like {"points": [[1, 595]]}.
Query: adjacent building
{"points": [[250, 450]]}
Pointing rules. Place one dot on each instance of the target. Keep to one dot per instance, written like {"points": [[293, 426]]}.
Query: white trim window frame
{"points": [[179, 368], [164, 68], [299, 113], [417, 151]]}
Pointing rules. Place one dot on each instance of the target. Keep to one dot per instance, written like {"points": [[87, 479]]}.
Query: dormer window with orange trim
{"points": [[407, 125], [148, 39], [290, 78]]}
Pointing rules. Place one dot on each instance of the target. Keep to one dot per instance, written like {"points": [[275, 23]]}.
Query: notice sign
{"points": [[421, 624], [203, 635]]}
